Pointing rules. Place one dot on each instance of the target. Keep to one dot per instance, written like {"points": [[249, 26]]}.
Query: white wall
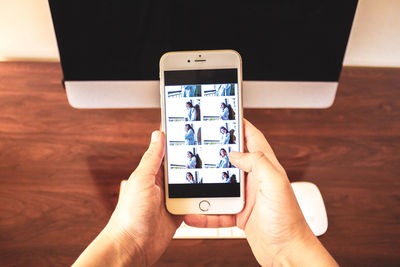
{"points": [[26, 32]]}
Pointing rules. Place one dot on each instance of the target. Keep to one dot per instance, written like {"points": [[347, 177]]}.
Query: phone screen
{"points": [[202, 128]]}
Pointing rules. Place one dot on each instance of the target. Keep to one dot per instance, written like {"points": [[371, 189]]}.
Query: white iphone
{"points": [[201, 105]]}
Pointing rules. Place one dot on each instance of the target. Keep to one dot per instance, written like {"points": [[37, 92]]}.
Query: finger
{"points": [[210, 221], [252, 186], [255, 141], [257, 163], [160, 178], [152, 158]]}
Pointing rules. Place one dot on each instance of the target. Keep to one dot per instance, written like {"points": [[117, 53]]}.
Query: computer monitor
{"points": [[292, 51]]}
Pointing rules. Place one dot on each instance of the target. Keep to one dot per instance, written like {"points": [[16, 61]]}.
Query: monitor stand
{"points": [[146, 94]]}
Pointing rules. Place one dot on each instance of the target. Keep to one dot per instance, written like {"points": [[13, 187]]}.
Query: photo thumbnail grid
{"points": [[202, 131], [203, 176]]}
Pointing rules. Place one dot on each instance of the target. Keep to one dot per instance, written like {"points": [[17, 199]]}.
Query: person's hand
{"points": [[273, 222], [140, 228], [141, 212], [254, 141]]}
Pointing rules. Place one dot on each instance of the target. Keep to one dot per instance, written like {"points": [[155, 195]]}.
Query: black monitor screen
{"points": [[281, 40]]}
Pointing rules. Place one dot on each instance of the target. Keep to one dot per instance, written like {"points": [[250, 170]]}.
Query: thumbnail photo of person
{"points": [[181, 176], [227, 113], [191, 90], [189, 135], [183, 90], [184, 134], [225, 176], [181, 109], [192, 111], [220, 133], [216, 156], [224, 161], [227, 137], [226, 90], [228, 179], [182, 157], [219, 89], [193, 179], [219, 109], [194, 160]]}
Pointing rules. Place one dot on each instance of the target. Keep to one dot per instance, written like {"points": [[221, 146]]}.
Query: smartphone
{"points": [[201, 106]]}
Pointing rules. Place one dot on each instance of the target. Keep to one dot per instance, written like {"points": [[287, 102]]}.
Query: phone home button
{"points": [[204, 205]]}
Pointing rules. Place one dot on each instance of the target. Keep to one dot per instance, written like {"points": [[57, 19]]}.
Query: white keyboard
{"points": [[187, 232]]}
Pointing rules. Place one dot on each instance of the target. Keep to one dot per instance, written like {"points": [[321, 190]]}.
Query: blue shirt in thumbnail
{"points": [[189, 90], [225, 137], [225, 114], [224, 162], [189, 137], [192, 163], [192, 114], [224, 90]]}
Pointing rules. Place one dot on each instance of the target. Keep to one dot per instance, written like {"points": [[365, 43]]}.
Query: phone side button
{"points": [[204, 205]]}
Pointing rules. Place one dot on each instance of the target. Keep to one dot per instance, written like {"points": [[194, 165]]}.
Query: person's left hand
{"points": [[140, 216]]}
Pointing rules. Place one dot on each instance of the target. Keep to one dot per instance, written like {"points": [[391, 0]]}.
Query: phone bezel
{"points": [[197, 60]]}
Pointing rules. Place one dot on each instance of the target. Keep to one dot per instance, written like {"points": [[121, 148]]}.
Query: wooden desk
{"points": [[60, 169]]}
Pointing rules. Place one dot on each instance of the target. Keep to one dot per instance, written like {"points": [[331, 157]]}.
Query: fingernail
{"points": [[234, 155], [155, 136]]}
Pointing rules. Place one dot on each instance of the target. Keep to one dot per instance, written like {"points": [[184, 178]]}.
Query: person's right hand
{"points": [[273, 222]]}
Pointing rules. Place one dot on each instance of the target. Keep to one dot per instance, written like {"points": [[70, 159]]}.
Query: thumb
{"points": [[152, 158], [249, 162], [258, 164]]}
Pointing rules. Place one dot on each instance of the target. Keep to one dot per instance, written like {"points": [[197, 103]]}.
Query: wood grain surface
{"points": [[60, 169]]}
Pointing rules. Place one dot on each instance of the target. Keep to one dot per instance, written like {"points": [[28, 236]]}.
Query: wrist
{"points": [[126, 248], [291, 252], [112, 248], [304, 251]]}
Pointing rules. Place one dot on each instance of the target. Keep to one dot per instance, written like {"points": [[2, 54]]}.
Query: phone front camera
{"points": [[188, 60]]}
